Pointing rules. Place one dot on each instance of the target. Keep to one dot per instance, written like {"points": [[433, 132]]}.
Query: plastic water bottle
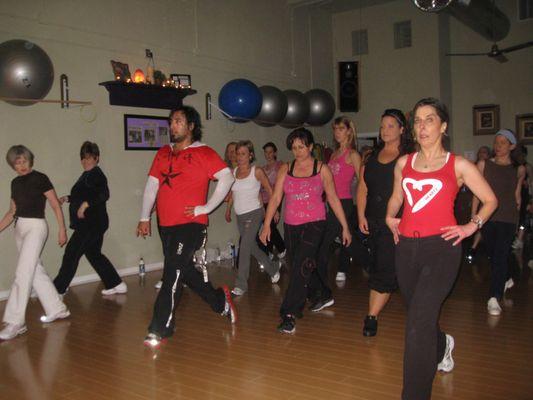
{"points": [[142, 268], [233, 255]]}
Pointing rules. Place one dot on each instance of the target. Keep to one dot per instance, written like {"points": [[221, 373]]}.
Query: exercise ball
{"points": [[26, 71], [274, 107], [321, 107], [297, 109], [240, 99]]}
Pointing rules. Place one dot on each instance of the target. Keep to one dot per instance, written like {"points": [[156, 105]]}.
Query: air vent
{"points": [[525, 9], [359, 42], [402, 34]]}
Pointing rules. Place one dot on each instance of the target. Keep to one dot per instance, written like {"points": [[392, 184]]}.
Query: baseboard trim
{"points": [[90, 278]]}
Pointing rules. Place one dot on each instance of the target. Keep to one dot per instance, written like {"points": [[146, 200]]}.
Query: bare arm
{"points": [[54, 203], [475, 201], [355, 160], [521, 174], [396, 200], [335, 203], [263, 179], [273, 204], [9, 217], [471, 176], [362, 192]]}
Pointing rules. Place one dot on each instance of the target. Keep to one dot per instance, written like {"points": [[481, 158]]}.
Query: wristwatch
{"points": [[476, 219]]}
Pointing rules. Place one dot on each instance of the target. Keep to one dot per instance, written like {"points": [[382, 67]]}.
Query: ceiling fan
{"points": [[497, 53]]}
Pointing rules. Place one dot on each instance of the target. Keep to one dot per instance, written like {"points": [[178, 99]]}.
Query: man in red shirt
{"points": [[179, 180]]}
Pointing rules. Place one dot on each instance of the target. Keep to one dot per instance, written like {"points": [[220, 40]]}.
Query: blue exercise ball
{"points": [[26, 71], [274, 107], [240, 99], [321, 107], [297, 109]]}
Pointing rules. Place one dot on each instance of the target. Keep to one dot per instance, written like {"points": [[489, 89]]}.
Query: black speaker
{"points": [[348, 86]]}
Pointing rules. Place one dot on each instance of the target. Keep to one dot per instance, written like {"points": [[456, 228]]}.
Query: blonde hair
{"points": [[352, 133], [249, 145]]}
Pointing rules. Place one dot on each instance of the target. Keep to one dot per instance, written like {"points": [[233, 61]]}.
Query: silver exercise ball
{"points": [[26, 71], [297, 109], [321, 107], [274, 107]]}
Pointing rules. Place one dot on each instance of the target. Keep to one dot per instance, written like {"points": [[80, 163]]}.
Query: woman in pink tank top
{"points": [[344, 165], [427, 255], [303, 182]]}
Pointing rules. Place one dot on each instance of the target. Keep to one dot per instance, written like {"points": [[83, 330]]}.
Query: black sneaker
{"points": [[470, 256], [371, 326], [229, 307], [288, 324], [321, 304]]}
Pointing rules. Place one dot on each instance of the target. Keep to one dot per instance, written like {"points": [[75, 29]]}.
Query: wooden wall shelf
{"points": [[141, 95]]}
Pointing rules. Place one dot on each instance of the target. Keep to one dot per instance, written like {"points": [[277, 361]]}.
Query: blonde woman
{"points": [[344, 164]]}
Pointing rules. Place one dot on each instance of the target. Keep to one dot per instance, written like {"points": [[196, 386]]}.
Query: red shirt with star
{"points": [[183, 181]]}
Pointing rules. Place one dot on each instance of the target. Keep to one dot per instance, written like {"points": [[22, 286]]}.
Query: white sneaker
{"points": [[158, 284], [275, 277], [11, 331], [237, 291], [46, 319], [493, 307], [119, 289], [508, 285], [447, 363], [281, 255], [517, 244], [341, 276]]}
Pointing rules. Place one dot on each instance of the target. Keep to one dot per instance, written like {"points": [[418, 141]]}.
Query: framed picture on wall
{"points": [[524, 128], [486, 119], [145, 132]]}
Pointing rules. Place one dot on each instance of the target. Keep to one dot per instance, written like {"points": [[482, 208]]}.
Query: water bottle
{"points": [[233, 255], [142, 268]]}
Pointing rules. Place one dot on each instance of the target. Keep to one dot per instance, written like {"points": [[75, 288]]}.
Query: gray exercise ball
{"points": [[274, 107], [297, 109], [26, 71], [321, 107]]}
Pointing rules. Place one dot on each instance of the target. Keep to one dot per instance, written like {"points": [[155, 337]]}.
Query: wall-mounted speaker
{"points": [[348, 86]]}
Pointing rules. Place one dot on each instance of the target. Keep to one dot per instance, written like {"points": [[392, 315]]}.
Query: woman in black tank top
{"points": [[373, 193]]}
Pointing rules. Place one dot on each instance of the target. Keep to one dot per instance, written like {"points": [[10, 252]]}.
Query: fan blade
{"points": [[500, 58], [467, 54], [517, 47]]}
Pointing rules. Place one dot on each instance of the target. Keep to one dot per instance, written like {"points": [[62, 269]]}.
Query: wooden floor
{"points": [[98, 353]]}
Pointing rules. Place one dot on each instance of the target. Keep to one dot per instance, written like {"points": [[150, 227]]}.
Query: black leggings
{"points": [[426, 269], [86, 242], [302, 243], [275, 237], [319, 286], [498, 238], [179, 244]]}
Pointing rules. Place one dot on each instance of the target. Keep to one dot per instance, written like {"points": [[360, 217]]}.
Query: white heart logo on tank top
{"points": [[435, 184]]}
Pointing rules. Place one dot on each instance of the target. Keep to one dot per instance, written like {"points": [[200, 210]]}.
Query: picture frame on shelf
{"points": [[181, 81], [145, 132], [486, 119], [524, 128], [121, 71]]}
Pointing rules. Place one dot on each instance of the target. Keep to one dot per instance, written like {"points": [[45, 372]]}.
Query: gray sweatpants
{"points": [[248, 224]]}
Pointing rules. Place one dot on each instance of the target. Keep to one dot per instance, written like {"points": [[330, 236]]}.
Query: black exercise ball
{"points": [[321, 107], [297, 109], [274, 107]]}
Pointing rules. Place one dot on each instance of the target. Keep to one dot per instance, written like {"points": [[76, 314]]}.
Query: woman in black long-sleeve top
{"points": [[89, 220]]}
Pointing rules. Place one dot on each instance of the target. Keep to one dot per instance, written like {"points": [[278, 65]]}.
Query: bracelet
{"points": [[477, 220]]}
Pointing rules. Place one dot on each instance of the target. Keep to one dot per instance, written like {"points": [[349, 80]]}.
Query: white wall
{"points": [[398, 78], [214, 41]]}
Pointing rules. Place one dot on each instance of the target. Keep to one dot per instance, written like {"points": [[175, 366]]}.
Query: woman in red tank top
{"points": [[427, 257]]}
